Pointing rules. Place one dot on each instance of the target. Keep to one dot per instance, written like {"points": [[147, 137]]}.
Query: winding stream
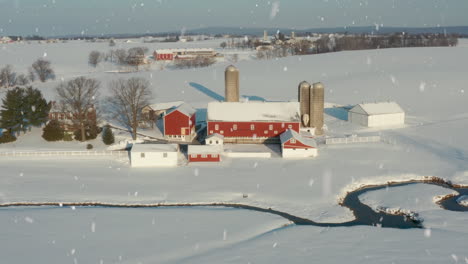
{"points": [[364, 215]]}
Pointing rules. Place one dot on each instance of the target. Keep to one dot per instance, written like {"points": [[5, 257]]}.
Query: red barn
{"points": [[165, 55], [294, 145], [252, 122], [179, 123], [204, 153]]}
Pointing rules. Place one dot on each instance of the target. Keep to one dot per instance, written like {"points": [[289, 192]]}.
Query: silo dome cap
{"points": [[318, 85], [231, 68], [304, 84]]}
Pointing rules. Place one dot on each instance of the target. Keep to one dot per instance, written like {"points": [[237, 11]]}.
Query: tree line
{"points": [[132, 57], [24, 108], [40, 69]]}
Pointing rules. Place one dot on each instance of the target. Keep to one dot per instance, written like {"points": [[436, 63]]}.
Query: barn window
{"points": [[289, 126], [306, 149], [217, 142], [266, 131], [270, 127], [222, 132], [193, 155], [276, 132], [214, 155], [293, 140], [252, 127], [165, 155], [211, 131], [203, 156], [234, 127], [211, 141], [216, 127], [142, 155]]}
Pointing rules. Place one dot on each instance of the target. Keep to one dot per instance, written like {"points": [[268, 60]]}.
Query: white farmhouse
{"points": [[377, 114], [154, 155]]}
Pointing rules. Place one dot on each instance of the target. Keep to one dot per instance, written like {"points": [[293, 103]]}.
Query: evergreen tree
{"points": [[6, 137], [53, 131], [36, 109], [91, 132], [108, 136], [12, 115]]}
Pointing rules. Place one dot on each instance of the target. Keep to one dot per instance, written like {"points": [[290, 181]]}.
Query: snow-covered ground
{"points": [[429, 83]]}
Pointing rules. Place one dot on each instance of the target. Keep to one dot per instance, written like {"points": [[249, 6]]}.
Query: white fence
{"points": [[349, 140], [63, 153]]}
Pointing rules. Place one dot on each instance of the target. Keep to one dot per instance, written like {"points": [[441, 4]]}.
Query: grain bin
{"points": [[231, 76]]}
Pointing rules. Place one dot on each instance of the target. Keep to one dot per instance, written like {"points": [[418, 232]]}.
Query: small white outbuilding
{"points": [[377, 114], [214, 139], [294, 145], [154, 155]]}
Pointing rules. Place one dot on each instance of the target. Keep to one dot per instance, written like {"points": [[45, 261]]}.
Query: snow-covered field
{"points": [[430, 84]]}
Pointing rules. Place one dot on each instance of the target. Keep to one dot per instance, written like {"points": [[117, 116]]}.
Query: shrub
{"points": [[67, 137], [89, 146], [52, 131], [7, 137], [108, 135]]}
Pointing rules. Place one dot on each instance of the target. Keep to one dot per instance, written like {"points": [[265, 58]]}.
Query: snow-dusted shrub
{"points": [[53, 131], [89, 146], [6, 137], [108, 136]]}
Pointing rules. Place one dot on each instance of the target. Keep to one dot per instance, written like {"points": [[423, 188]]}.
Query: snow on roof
{"points": [[289, 134], [204, 149], [183, 108], [253, 111], [155, 148], [378, 108], [169, 51], [215, 135], [165, 105]]}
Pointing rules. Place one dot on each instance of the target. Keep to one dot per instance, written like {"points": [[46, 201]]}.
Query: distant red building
{"points": [[252, 122], [174, 54], [68, 120], [179, 123], [204, 153]]}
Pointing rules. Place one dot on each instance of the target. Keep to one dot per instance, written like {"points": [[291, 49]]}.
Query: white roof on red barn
{"points": [[184, 108], [377, 108], [204, 149], [170, 51], [290, 134], [165, 105], [253, 111]]}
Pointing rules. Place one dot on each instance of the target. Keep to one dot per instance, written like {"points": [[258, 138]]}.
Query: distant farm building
{"points": [[180, 54], [204, 153], [252, 122], [68, 120], [153, 111], [179, 123], [294, 145], [377, 114], [154, 155]]}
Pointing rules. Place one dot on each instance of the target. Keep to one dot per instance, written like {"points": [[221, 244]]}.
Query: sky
{"points": [[96, 17]]}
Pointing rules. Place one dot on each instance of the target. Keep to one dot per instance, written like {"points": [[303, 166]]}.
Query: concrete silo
{"points": [[231, 79], [304, 92], [317, 99]]}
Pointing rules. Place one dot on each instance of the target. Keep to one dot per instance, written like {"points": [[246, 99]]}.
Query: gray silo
{"points": [[231, 79], [317, 107], [304, 93]]}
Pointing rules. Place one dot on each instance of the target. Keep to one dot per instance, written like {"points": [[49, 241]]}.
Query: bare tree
{"points": [[7, 77], [22, 80], [111, 42], [78, 96], [136, 56], [121, 56], [128, 98], [43, 69], [95, 57]]}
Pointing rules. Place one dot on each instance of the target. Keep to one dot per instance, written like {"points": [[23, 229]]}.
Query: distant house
{"points": [[204, 153], [377, 114], [180, 54], [214, 139], [252, 122], [293, 145], [69, 120], [154, 155], [179, 123]]}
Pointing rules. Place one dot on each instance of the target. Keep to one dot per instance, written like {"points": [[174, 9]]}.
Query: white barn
{"points": [[377, 114], [154, 155], [294, 145], [214, 139]]}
